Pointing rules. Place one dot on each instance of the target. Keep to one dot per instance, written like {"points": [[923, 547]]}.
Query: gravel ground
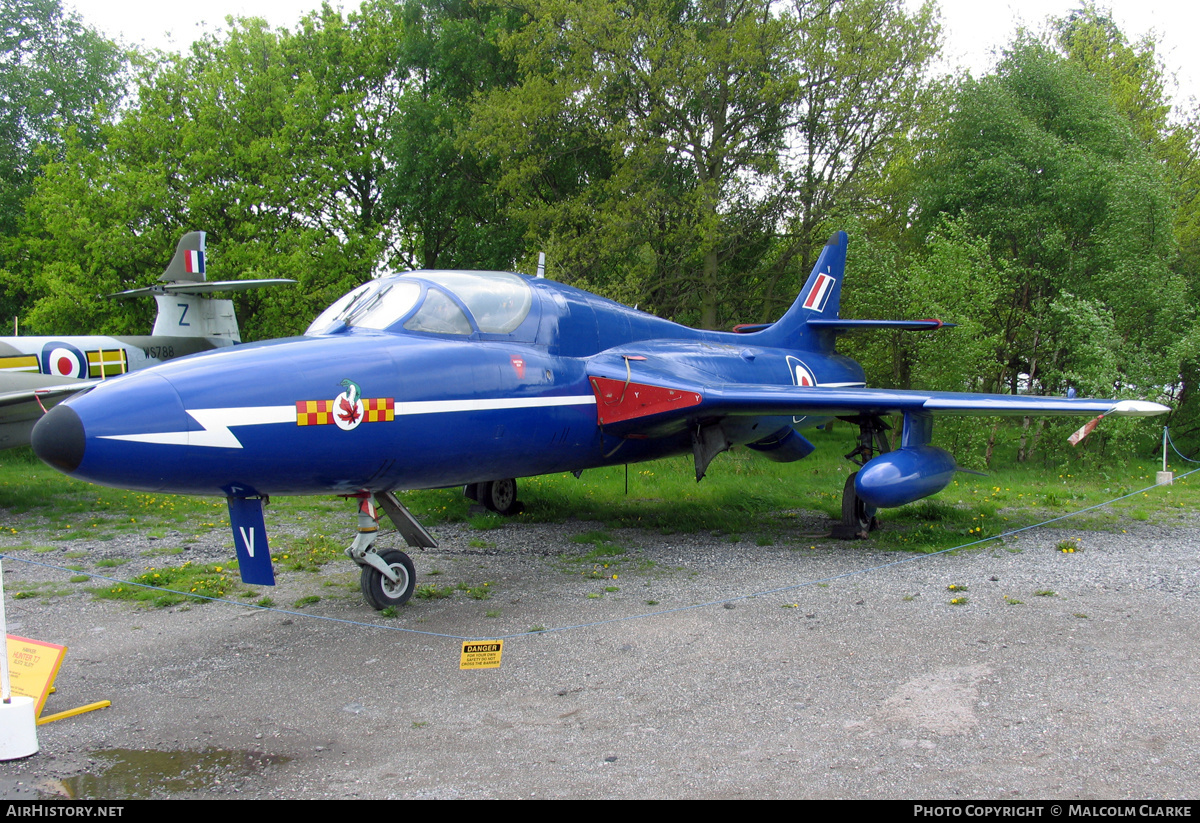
{"points": [[810, 668]]}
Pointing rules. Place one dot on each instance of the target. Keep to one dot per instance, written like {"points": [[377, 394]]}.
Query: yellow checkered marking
{"points": [[320, 412], [314, 412], [379, 410]]}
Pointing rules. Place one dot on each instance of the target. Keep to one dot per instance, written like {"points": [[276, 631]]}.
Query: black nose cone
{"points": [[58, 439]]}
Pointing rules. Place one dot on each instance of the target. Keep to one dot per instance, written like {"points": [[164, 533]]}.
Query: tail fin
{"points": [[182, 313], [188, 263], [819, 299]]}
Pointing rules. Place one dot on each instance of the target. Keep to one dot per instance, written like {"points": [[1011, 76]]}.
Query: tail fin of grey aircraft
{"points": [[188, 263], [184, 309]]}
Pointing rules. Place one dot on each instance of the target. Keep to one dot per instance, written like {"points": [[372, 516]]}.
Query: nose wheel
{"points": [[379, 591], [388, 577]]}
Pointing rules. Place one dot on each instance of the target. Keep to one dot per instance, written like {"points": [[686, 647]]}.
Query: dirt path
{"points": [[871, 685]]}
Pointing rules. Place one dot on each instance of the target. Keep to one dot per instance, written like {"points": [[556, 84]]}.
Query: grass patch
{"points": [[481, 592], [429, 591], [163, 552], [486, 522], [188, 582], [309, 554]]}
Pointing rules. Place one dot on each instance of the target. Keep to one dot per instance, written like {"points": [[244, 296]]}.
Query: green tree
{"points": [[57, 76], [1136, 80], [271, 141], [442, 191], [1038, 162], [655, 148], [863, 94]]}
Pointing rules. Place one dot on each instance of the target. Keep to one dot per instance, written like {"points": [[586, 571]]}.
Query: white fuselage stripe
{"points": [[217, 422]]}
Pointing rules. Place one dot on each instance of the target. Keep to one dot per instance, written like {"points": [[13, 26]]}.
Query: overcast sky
{"points": [[974, 29]]}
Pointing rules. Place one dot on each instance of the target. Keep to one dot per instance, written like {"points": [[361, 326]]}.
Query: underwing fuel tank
{"points": [[902, 476], [913, 471]]}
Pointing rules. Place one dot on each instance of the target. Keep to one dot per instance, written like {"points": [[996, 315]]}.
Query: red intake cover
{"points": [[617, 400]]}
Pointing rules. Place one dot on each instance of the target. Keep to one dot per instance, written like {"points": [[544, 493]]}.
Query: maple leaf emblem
{"points": [[349, 411]]}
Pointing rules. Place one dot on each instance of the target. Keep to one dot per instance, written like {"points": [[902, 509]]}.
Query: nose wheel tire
{"points": [[381, 592]]}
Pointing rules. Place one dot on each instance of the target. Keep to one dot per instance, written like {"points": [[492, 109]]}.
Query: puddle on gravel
{"points": [[134, 773]]}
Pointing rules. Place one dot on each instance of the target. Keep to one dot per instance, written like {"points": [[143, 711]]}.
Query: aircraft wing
{"points": [[20, 408], [632, 398]]}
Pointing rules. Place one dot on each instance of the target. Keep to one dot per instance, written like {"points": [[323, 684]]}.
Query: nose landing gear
{"points": [[388, 577]]}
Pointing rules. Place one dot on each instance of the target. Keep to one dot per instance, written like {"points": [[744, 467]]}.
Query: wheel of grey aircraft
{"points": [[381, 592], [501, 496]]}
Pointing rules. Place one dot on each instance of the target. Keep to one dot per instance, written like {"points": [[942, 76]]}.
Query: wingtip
{"points": [[1139, 408]]}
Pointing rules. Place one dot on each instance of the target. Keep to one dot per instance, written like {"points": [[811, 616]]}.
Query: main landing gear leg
{"points": [[388, 577], [858, 519]]}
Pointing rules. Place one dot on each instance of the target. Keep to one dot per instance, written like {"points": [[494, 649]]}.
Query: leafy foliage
{"points": [[1038, 162], [58, 78], [655, 149]]}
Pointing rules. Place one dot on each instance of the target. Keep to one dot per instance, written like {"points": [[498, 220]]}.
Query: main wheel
{"points": [[500, 496], [857, 516], [381, 592]]}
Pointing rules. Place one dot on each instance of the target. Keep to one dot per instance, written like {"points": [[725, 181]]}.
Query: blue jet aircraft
{"points": [[452, 378]]}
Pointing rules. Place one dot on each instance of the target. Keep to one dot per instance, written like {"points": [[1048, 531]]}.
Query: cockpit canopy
{"points": [[436, 302]]}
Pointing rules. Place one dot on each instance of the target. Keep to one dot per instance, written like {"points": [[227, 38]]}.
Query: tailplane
{"points": [[812, 323], [183, 308]]}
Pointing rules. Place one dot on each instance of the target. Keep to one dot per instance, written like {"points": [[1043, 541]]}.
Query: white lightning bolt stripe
{"points": [[217, 422]]}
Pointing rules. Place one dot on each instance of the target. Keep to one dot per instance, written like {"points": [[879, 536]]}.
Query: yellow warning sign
{"points": [[481, 654], [32, 666]]}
